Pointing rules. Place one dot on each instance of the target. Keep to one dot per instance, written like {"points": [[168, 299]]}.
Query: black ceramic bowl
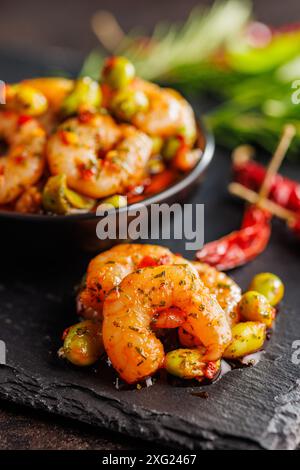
{"points": [[49, 234]]}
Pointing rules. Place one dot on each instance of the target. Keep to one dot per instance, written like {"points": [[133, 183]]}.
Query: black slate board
{"points": [[252, 408]]}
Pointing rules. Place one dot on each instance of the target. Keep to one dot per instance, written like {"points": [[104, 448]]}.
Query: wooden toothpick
{"points": [[288, 133], [107, 30], [252, 197]]}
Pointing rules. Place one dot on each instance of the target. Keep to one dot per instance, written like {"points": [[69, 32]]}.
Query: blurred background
{"points": [[66, 24]]}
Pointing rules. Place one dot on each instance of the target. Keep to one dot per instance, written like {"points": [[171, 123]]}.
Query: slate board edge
{"points": [[111, 414]]}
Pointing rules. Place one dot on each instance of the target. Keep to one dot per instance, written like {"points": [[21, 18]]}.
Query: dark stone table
{"points": [[39, 25]]}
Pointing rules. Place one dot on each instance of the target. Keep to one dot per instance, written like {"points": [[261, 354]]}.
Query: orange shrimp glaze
{"points": [[129, 309]]}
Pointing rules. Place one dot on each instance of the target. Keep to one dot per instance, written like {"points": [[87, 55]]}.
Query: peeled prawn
{"points": [[131, 345], [98, 157], [24, 162], [168, 114], [108, 269], [226, 291]]}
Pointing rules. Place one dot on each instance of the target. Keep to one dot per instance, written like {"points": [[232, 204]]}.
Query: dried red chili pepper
{"points": [[295, 227], [283, 191], [241, 246]]}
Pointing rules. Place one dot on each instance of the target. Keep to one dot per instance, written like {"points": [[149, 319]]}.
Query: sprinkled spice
{"points": [[162, 274]]}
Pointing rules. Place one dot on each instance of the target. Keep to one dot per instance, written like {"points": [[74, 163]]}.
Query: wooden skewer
{"points": [[288, 133], [261, 198], [252, 197], [242, 154], [107, 30]]}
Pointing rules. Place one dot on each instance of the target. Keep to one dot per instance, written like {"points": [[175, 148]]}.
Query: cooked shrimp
{"points": [[108, 269], [74, 151], [55, 89], [131, 345], [227, 292], [168, 114], [24, 162]]}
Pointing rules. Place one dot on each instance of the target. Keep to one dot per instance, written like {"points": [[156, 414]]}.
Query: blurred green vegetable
{"points": [[173, 46], [86, 96], [247, 65]]}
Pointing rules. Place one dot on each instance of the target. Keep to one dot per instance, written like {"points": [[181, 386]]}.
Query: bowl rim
{"points": [[208, 152]]}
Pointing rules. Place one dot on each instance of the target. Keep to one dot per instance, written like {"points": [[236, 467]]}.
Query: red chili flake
{"points": [[68, 137], [63, 137], [23, 119], [211, 370], [19, 159], [110, 165], [1, 170], [85, 117], [149, 261], [86, 173]]}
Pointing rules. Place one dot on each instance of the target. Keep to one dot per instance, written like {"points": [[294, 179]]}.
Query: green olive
{"points": [[157, 144], [270, 285], [118, 72], [117, 201], [127, 103], [170, 148], [83, 344], [254, 306], [59, 199], [77, 201], [85, 96], [27, 99], [187, 363], [247, 338], [155, 166]]}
